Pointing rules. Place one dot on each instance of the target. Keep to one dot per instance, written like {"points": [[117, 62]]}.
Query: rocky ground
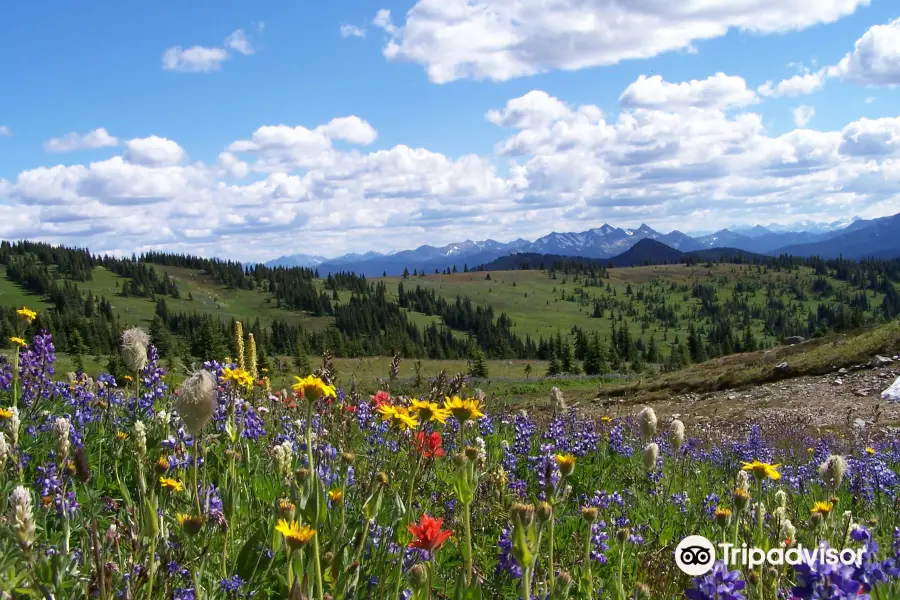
{"points": [[845, 400]]}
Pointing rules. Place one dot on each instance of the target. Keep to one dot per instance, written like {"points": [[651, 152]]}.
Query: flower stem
{"points": [[468, 523], [587, 563], [552, 532], [320, 592]]}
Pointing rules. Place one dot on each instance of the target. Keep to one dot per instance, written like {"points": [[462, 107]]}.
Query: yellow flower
{"points": [[336, 495], [285, 507], [18, 341], [5, 414], [27, 314], [121, 436], [128, 378], [463, 410], [313, 388], [171, 484], [566, 463], [264, 370], [398, 416], [723, 513], [606, 419], [162, 465], [191, 524], [870, 451], [822, 508], [430, 411], [762, 470], [239, 377], [295, 535]]}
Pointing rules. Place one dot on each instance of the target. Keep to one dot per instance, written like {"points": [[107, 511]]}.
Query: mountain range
{"points": [[854, 239]]}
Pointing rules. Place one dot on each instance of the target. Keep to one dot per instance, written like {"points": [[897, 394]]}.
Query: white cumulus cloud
{"points": [[798, 85], [203, 59], [154, 151], [98, 138], [501, 40], [717, 91], [875, 59], [803, 114]]}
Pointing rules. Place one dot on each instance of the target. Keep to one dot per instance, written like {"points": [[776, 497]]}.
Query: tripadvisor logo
{"points": [[695, 555]]}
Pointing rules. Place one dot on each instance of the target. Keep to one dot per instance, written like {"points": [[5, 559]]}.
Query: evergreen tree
{"points": [[477, 365]]}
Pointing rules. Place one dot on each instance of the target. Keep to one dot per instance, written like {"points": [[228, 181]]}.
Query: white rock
{"points": [[892, 394]]}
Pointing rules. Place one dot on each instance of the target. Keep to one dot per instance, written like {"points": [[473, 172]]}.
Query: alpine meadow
{"points": [[450, 300]]}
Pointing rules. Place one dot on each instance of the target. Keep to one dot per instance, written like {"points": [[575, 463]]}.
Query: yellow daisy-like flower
{"points": [[239, 377], [398, 416], [285, 507], [606, 419], [5, 414], [128, 378], [313, 388], [463, 410], [336, 495], [762, 470], [870, 451], [162, 464], [191, 524], [27, 314], [430, 411], [121, 436], [171, 484], [295, 535], [566, 463], [18, 341], [822, 508]]}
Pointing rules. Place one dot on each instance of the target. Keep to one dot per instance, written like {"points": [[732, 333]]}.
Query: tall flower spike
{"points": [[197, 401], [23, 517], [14, 423], [4, 451], [62, 427], [140, 438], [647, 422], [135, 342], [677, 429], [251, 358], [239, 344]]}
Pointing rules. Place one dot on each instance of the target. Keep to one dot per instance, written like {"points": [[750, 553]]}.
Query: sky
{"points": [[253, 130]]}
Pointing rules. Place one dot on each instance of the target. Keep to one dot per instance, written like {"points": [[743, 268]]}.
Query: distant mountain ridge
{"points": [[855, 238]]}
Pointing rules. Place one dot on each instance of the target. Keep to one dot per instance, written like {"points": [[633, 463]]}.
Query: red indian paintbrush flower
{"points": [[428, 534], [380, 399], [429, 446]]}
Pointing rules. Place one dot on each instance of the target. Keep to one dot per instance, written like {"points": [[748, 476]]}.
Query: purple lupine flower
{"points": [[718, 584]]}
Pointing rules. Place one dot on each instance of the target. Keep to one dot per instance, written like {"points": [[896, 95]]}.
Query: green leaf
{"points": [[250, 557]]}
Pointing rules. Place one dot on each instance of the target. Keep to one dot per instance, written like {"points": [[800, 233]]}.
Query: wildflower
{"points": [[162, 465], [140, 438], [677, 429], [741, 499], [251, 355], [285, 507], [647, 422], [781, 498], [135, 342], [651, 455], [337, 496], [284, 456], [870, 451], [822, 508], [169, 483], [238, 377], [398, 416], [428, 534], [762, 470], [17, 341], [719, 583], [121, 436], [606, 419], [429, 445], [566, 464], [380, 399], [62, 427], [429, 411], [4, 451], [589, 513], [191, 524], [463, 410], [196, 401], [418, 577], [743, 480], [14, 425], [5, 413], [787, 532], [295, 535], [128, 378], [312, 388], [557, 399], [832, 471], [23, 517], [722, 517], [27, 314]]}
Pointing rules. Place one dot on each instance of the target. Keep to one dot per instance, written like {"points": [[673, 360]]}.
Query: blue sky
{"points": [[421, 160]]}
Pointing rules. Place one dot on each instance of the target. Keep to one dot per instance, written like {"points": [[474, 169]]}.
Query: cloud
{"points": [[98, 138], [4, 131], [557, 163], [717, 91], [352, 31], [875, 59], [798, 85], [803, 114], [202, 59], [153, 151], [501, 40]]}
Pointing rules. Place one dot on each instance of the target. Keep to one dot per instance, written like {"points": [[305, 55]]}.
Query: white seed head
{"points": [[482, 452], [781, 498], [135, 342], [647, 422], [23, 516], [651, 454], [197, 401], [743, 480], [832, 471], [677, 430], [557, 399]]}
